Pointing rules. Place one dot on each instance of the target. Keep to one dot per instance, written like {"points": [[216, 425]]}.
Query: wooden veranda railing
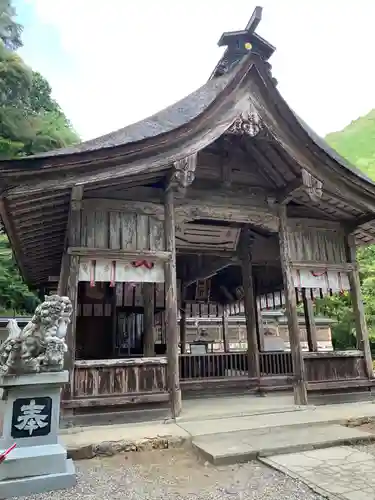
{"points": [[232, 364], [275, 363]]}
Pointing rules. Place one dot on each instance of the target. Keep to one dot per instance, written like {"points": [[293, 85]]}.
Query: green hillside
{"points": [[356, 143]]}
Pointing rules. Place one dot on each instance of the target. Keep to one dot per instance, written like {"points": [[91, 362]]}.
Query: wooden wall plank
{"points": [[101, 229], [114, 230], [143, 229], [90, 219], [128, 231], [156, 234], [316, 245], [120, 230]]}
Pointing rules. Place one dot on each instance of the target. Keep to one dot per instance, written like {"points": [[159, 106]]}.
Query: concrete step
{"points": [[243, 446]]}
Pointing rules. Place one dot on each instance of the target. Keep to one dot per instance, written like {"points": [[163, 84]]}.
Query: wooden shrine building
{"points": [[224, 198]]}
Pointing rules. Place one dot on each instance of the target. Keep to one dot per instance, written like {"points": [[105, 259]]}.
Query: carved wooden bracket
{"points": [[183, 173], [312, 185], [248, 123]]}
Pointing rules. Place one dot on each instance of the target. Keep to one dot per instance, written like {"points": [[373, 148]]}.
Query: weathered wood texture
{"points": [[118, 230], [260, 327], [224, 326], [249, 302], [72, 263], [300, 393], [149, 330], [183, 328], [105, 378], [171, 326], [64, 272], [233, 365], [358, 309], [130, 295], [308, 309], [72, 293], [315, 244], [336, 366]]}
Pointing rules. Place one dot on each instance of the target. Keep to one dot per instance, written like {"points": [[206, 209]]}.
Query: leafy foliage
{"points": [[10, 30], [356, 143], [31, 121], [14, 294]]}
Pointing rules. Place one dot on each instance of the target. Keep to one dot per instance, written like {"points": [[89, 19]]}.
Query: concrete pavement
{"points": [[86, 442], [243, 446], [339, 473]]}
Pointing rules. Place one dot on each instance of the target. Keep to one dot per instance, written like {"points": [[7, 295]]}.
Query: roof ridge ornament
{"points": [[240, 43]]}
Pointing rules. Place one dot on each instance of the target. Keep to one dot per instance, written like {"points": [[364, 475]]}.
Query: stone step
{"points": [[243, 446]]}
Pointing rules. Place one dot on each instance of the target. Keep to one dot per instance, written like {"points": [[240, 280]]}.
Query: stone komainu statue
{"points": [[40, 346]]}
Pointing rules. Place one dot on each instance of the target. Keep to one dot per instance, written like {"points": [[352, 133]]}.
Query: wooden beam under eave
{"points": [[108, 253], [283, 196], [21, 224], [36, 208], [12, 235], [54, 195], [45, 235], [352, 226], [40, 216], [216, 266]]}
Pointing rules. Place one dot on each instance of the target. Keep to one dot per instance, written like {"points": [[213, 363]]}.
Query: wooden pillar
{"points": [[171, 326], [72, 293], [260, 327], [73, 238], [300, 392], [64, 270], [363, 342], [148, 291], [114, 320], [310, 325], [183, 327], [249, 303], [224, 326]]}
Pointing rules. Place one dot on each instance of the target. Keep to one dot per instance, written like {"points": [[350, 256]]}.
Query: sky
{"points": [[111, 63]]}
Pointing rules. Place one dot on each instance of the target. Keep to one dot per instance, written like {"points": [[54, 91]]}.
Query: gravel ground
{"points": [[177, 475]]}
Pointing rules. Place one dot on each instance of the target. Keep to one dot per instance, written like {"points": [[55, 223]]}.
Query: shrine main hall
{"points": [[223, 203]]}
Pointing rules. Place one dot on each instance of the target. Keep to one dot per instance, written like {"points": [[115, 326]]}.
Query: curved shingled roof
{"points": [[166, 120], [41, 185]]}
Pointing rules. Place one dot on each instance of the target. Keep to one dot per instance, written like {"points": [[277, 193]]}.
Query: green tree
{"points": [[356, 143], [31, 121], [10, 30], [14, 294]]}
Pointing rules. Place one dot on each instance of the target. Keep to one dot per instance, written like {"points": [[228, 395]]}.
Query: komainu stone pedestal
{"points": [[31, 411]]}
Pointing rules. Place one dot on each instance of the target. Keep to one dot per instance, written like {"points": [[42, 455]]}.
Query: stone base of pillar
{"points": [[31, 409]]}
